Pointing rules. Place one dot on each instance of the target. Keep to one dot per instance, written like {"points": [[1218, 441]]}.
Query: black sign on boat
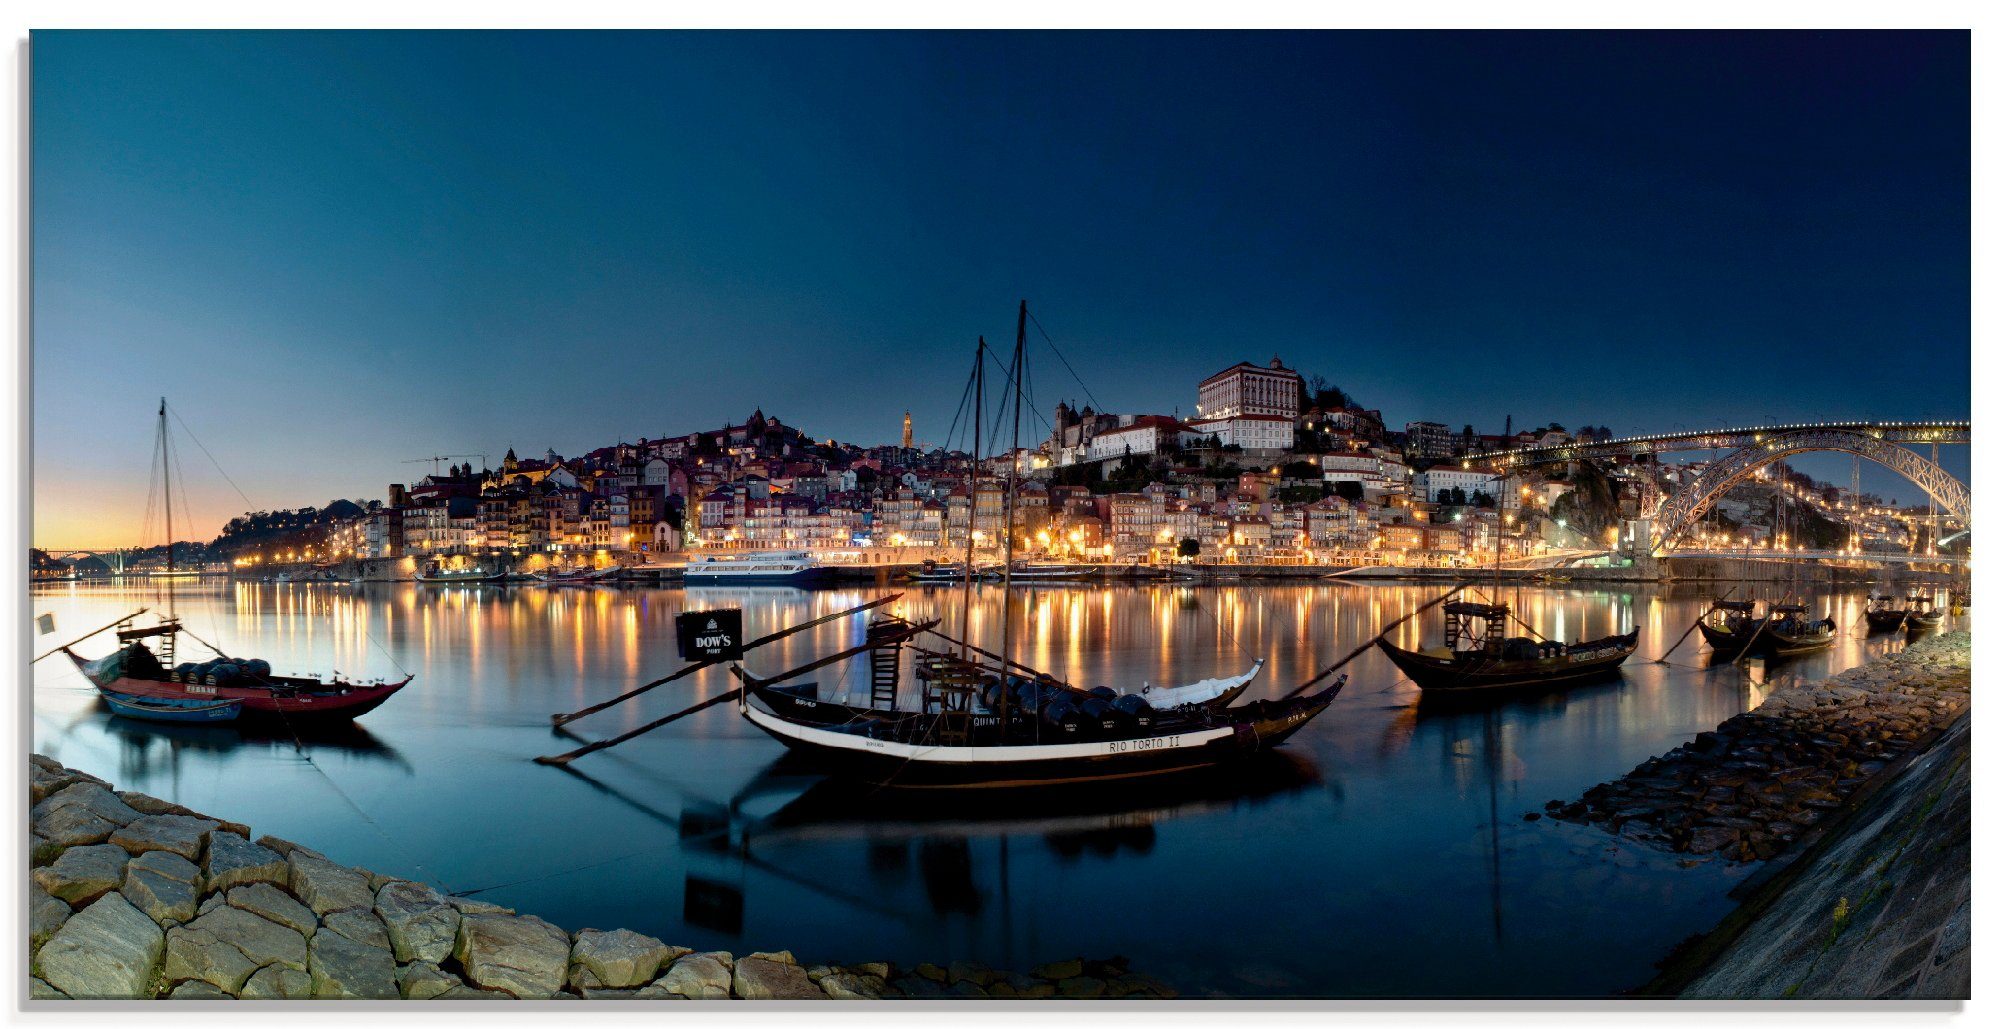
{"points": [[711, 635]]}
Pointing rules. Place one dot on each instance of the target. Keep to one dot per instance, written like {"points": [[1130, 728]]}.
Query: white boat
{"points": [[778, 568]]}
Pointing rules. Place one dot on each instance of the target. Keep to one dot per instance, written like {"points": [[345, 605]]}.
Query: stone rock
{"points": [[699, 976], [39, 990], [343, 969], [234, 861], [759, 978], [422, 927], [422, 980], [83, 874], [276, 982], [74, 826], [783, 957], [42, 850], [848, 986], [966, 988], [108, 950], [1059, 970], [272, 904], [185, 835], [261, 940], [168, 864], [619, 959], [966, 971], [284, 847], [195, 989], [878, 969], [520, 954], [198, 954], [357, 925], [90, 797], [463, 992], [1081, 987], [935, 973], [468, 906], [166, 901], [326, 887], [150, 805], [45, 915]]}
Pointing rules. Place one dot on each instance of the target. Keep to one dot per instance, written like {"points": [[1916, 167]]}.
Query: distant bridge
{"points": [[1943, 433], [1864, 557], [1885, 443]]}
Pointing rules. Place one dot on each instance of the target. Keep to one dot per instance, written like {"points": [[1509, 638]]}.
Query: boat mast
{"points": [[1007, 516], [167, 486], [972, 496]]}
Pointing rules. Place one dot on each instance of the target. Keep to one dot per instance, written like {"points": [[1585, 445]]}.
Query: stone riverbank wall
{"points": [[1882, 911], [1766, 779], [134, 897]]}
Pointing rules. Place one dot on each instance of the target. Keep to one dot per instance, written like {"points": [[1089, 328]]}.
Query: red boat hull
{"points": [[325, 703]]}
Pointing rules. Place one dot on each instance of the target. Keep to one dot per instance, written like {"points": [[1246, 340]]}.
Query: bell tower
{"points": [[908, 440]]}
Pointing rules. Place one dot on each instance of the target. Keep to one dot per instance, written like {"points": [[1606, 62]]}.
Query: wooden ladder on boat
{"points": [[885, 662]]}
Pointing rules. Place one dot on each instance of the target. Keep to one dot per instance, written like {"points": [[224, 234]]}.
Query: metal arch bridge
{"points": [[1885, 443], [1941, 432]]}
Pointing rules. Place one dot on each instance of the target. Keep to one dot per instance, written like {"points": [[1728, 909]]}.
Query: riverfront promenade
{"points": [[134, 897]]}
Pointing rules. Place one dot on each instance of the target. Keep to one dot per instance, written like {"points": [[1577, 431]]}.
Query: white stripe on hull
{"points": [[935, 754]]}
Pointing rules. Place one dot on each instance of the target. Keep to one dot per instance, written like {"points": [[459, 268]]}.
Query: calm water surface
{"points": [[1381, 853]]}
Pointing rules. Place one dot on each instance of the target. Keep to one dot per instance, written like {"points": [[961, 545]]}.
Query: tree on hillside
{"points": [[1188, 548]]}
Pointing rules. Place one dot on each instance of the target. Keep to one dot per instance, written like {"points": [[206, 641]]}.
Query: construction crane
{"points": [[435, 458]]}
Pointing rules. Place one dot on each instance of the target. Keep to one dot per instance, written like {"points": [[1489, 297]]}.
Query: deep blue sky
{"points": [[337, 251]]}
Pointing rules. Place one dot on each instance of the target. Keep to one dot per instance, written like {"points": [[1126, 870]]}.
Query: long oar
{"points": [[88, 635], [590, 748], [699, 665], [1662, 659], [1358, 651]]}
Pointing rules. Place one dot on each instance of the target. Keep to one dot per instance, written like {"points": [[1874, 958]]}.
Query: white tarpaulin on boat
{"points": [[1196, 692]]}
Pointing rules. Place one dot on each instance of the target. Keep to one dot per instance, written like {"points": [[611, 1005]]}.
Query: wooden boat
{"points": [[1044, 741], [577, 577], [1885, 614], [172, 709], [1730, 626], [1479, 655], [136, 675], [1924, 616], [802, 702], [141, 683], [1790, 633], [1026, 574]]}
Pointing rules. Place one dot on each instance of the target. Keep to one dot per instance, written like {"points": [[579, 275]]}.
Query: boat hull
{"points": [[331, 703], [926, 765], [1722, 641], [182, 711], [1886, 621], [1452, 676]]}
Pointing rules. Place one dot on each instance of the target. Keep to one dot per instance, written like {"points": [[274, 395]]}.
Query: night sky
{"points": [[335, 252]]}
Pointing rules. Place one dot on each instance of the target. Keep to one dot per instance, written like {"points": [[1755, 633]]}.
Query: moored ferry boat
{"points": [[780, 568]]}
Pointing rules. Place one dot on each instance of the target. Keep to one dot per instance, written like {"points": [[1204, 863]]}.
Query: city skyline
{"points": [[340, 252]]}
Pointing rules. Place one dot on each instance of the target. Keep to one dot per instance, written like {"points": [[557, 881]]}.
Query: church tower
{"points": [[908, 443]]}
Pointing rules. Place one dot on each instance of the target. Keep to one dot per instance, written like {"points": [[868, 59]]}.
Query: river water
{"points": [[1381, 853]]}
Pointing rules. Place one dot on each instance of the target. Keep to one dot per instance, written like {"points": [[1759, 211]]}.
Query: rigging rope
{"points": [[1065, 361]]}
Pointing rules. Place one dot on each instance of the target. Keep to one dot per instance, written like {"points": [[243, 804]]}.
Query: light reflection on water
{"points": [[1382, 853]]}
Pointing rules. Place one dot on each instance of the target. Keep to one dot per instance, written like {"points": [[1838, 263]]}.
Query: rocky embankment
{"points": [[1882, 909], [1763, 779], [134, 897]]}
